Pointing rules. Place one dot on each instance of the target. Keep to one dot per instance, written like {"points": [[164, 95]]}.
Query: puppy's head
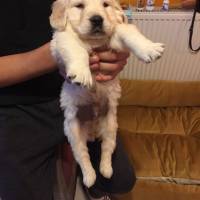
{"points": [[90, 19]]}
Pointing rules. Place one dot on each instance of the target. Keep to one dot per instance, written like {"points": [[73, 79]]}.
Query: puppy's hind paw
{"points": [[106, 170], [89, 178]]}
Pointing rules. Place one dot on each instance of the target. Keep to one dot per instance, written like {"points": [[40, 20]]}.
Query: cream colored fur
{"points": [[71, 45]]}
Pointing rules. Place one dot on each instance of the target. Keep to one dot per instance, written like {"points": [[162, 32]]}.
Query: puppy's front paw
{"points": [[89, 177], [150, 51], [80, 76], [106, 169]]}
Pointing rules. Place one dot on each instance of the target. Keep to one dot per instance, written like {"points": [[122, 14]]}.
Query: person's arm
{"points": [[24, 66]]}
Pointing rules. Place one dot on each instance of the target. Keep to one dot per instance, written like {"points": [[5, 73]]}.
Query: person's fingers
{"points": [[123, 55], [103, 78], [107, 56], [93, 59], [106, 75], [110, 56], [94, 67], [109, 68], [106, 64]]}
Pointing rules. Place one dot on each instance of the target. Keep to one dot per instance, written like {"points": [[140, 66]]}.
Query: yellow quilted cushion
{"points": [[160, 93], [160, 125], [162, 142]]}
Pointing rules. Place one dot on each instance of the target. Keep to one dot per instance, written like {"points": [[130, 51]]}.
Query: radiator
{"points": [[178, 62]]}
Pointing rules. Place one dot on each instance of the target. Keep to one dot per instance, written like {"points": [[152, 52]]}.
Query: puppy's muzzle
{"points": [[97, 24]]}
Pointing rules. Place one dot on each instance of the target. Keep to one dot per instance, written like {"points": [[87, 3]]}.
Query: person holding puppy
{"points": [[31, 121]]}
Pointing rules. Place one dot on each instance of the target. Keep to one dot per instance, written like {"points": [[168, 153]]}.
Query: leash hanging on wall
{"points": [[196, 10]]}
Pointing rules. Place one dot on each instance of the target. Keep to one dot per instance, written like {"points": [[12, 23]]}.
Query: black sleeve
{"points": [[24, 25], [10, 22]]}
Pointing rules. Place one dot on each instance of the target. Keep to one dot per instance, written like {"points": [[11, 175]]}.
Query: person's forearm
{"points": [[24, 66]]}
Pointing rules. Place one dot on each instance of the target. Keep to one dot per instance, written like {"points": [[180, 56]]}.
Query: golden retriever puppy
{"points": [[79, 27]]}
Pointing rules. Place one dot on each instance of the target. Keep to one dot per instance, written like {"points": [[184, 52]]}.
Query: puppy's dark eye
{"points": [[105, 4], [80, 6]]}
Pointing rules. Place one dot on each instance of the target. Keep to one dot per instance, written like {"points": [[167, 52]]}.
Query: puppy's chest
{"points": [[94, 109], [91, 114]]}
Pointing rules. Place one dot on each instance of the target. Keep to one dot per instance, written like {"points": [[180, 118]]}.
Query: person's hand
{"points": [[188, 3], [106, 64]]}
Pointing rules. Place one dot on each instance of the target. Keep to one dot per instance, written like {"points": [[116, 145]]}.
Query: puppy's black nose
{"points": [[96, 20]]}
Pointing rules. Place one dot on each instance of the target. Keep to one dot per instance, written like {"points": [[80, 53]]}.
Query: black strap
{"points": [[191, 31]]}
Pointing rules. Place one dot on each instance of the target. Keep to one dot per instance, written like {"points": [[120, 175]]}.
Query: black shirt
{"points": [[24, 26]]}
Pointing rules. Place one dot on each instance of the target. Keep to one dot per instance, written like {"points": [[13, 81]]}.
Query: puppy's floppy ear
{"points": [[121, 17], [58, 18]]}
